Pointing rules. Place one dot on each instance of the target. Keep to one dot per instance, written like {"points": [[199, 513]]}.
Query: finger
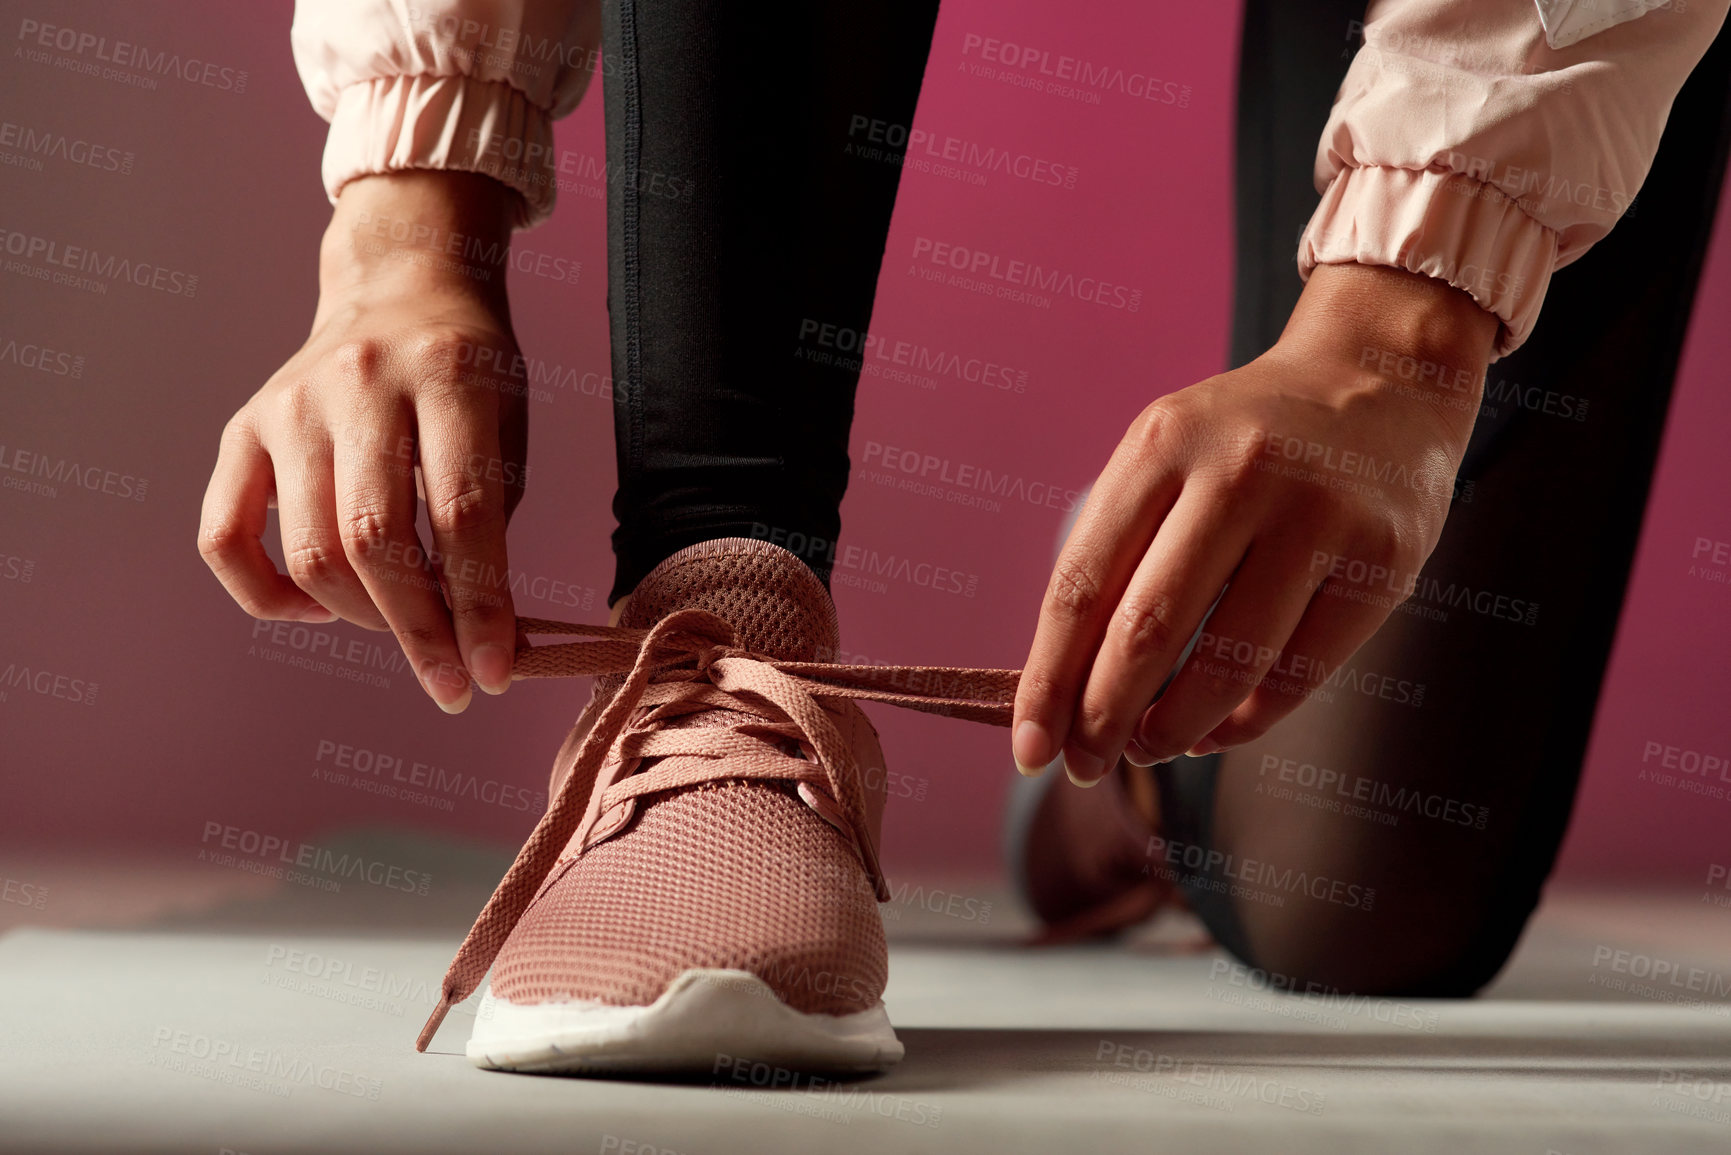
{"points": [[1240, 643], [1112, 531], [230, 527], [466, 478], [312, 543], [1200, 544], [376, 516], [1335, 624], [1136, 756]]}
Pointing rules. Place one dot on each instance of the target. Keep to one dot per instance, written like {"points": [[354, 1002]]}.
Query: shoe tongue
{"points": [[771, 597]]}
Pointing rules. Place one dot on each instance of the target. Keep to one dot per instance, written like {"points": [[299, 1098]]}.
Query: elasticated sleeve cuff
{"points": [[394, 123], [1442, 225]]}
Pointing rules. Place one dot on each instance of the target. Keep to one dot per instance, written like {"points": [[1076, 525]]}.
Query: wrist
{"points": [[1390, 330], [1372, 315], [423, 230]]}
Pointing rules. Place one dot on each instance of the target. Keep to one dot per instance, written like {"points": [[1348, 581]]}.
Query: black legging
{"points": [[1554, 514], [738, 217]]}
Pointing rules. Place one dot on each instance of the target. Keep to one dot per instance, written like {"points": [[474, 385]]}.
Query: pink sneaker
{"points": [[703, 886]]}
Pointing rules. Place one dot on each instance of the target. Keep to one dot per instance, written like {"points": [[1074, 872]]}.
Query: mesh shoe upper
{"points": [[741, 873]]}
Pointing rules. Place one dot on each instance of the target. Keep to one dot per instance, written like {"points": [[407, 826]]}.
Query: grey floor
{"points": [[208, 1013]]}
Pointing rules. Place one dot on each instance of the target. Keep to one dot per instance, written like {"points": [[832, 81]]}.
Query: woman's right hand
{"points": [[411, 365]]}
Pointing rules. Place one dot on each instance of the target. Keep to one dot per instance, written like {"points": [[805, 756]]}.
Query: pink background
{"points": [[192, 723]]}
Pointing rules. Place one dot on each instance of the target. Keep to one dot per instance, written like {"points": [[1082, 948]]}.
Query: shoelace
{"points": [[689, 662]]}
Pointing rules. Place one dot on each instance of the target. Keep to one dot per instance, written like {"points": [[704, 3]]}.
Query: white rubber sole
{"points": [[706, 1022]]}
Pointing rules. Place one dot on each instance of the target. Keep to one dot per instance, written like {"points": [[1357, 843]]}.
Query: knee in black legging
{"points": [[1440, 944]]}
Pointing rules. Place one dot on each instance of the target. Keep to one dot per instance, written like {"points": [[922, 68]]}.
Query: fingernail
{"points": [[491, 666], [1140, 734], [318, 615], [1136, 756], [1032, 741], [448, 686], [1204, 748], [1083, 768]]}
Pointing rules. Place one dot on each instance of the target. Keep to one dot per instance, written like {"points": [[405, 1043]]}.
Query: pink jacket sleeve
{"points": [[457, 84], [1464, 146]]}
